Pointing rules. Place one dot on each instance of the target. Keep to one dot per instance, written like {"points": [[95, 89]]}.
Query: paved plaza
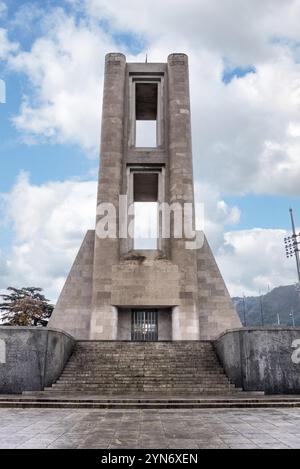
{"points": [[194, 428]]}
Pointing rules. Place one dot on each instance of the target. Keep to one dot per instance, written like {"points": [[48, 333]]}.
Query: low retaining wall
{"points": [[262, 359], [32, 357]]}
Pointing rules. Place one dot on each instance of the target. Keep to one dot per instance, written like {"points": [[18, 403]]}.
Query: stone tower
{"points": [[173, 290]]}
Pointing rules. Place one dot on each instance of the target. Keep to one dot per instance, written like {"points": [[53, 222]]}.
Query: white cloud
{"points": [[239, 30], [213, 214], [242, 131], [49, 222], [65, 70], [253, 260]]}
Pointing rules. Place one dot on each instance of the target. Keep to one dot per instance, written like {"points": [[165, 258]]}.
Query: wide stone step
{"points": [[121, 389], [133, 376], [147, 352], [146, 369], [164, 364], [77, 374], [204, 403], [141, 380], [189, 369], [145, 363], [97, 376], [142, 360], [145, 375], [136, 356], [166, 369], [120, 384], [153, 345], [142, 384]]}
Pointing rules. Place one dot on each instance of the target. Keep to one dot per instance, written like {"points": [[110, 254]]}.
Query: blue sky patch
{"points": [[264, 211], [236, 72]]}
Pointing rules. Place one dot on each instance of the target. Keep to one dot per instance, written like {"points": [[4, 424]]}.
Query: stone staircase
{"points": [[105, 368]]}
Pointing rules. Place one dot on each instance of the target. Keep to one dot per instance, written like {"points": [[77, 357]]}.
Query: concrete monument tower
{"points": [[172, 290]]}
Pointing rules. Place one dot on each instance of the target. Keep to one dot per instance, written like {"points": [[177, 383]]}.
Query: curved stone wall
{"points": [[262, 359], [32, 358]]}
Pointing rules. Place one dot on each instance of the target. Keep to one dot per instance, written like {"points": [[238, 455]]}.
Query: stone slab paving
{"points": [[195, 428]]}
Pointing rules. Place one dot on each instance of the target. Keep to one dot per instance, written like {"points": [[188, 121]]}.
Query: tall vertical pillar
{"points": [[104, 316], [185, 320]]}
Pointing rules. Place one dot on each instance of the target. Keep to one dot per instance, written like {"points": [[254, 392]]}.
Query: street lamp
{"points": [[292, 249], [292, 316], [292, 246]]}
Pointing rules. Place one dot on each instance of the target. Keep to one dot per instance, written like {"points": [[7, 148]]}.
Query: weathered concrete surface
{"points": [[72, 312], [32, 357], [262, 359], [216, 310], [147, 283]]}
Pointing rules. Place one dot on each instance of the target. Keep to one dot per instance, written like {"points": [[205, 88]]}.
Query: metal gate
{"points": [[144, 325]]}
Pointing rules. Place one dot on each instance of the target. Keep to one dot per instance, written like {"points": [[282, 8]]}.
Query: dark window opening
{"points": [[146, 115], [145, 187], [146, 101]]}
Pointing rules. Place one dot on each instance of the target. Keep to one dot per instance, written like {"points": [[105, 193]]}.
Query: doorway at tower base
{"points": [[144, 324]]}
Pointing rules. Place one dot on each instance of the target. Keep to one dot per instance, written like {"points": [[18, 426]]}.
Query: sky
{"points": [[244, 58]]}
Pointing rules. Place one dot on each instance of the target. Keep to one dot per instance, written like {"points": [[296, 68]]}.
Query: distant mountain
{"points": [[282, 300]]}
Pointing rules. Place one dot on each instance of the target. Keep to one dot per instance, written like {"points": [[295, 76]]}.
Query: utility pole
{"points": [[244, 310], [278, 319], [261, 309]]}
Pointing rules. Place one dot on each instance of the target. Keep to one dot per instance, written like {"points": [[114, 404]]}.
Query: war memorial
{"points": [[138, 327]]}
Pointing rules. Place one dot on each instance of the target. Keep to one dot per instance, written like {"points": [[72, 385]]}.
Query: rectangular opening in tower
{"points": [[145, 195], [146, 115]]}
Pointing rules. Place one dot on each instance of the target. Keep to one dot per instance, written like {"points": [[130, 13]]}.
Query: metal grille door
{"points": [[144, 325]]}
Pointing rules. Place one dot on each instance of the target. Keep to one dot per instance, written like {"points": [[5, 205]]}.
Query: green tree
{"points": [[25, 306]]}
